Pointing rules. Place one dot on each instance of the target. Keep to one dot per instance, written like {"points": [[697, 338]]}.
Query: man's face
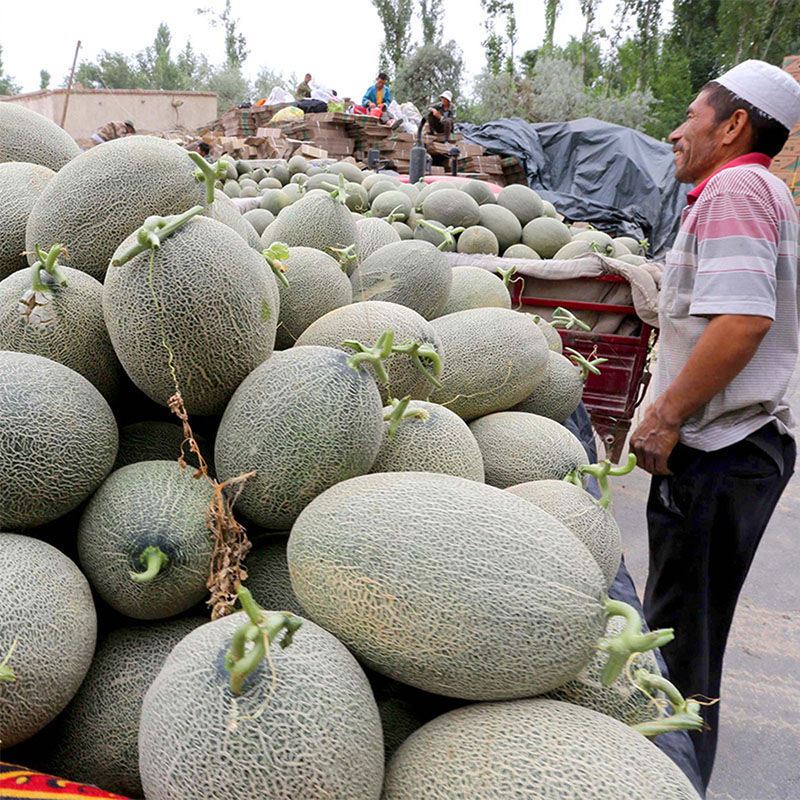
{"points": [[380, 83], [445, 103], [696, 142], [308, 78]]}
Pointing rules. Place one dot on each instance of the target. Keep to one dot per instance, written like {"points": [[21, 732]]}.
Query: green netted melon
{"points": [[480, 192], [58, 439], [297, 178], [534, 748], [549, 209], [268, 574], [95, 739], [153, 440], [592, 524], [475, 287], [317, 285], [505, 226], [403, 230], [293, 192], [297, 164], [559, 393], [107, 193], [623, 699], [411, 191], [602, 242], [574, 249], [412, 273], [384, 184], [215, 296], [20, 186], [243, 167], [435, 186], [365, 322], [522, 202], [396, 203], [258, 174], [281, 173], [447, 584], [249, 189], [518, 447], [521, 251], [314, 169], [554, 340], [632, 259], [426, 234], [372, 234], [350, 171], [431, 439], [491, 359], [305, 727], [146, 506], [259, 218], [28, 136], [303, 421], [371, 178], [413, 219], [546, 236], [67, 326], [273, 200], [452, 207], [49, 620], [617, 249], [226, 212], [630, 243], [315, 220], [477, 239], [357, 199]]}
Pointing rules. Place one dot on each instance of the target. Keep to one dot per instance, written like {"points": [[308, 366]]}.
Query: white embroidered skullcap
{"points": [[767, 87]]}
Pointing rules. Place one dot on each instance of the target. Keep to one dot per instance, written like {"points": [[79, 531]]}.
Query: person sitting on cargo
{"points": [[113, 130], [379, 95], [304, 89], [440, 116]]}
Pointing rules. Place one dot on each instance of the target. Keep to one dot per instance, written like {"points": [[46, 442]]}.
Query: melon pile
{"points": [[307, 426]]}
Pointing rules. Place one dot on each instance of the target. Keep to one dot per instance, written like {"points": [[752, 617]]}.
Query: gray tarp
{"points": [[618, 179]]}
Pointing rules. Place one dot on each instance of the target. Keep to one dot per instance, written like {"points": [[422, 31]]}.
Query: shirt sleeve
{"points": [[737, 254]]}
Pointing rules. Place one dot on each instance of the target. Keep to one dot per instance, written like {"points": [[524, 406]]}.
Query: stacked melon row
{"points": [[355, 395]]}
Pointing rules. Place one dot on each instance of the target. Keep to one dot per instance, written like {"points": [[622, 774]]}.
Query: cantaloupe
{"points": [[411, 191], [293, 191], [546, 236], [139, 509], [95, 739], [412, 273], [396, 203], [451, 207], [232, 188], [554, 341], [62, 323], [559, 393], [226, 212], [574, 249], [521, 251], [430, 438], [273, 200], [519, 447], [350, 171], [215, 295], [357, 199], [404, 231], [47, 633], [505, 226], [372, 234], [303, 420], [107, 193], [435, 186], [305, 726], [317, 285], [49, 469], [592, 524], [281, 173], [474, 287], [259, 218], [365, 322], [28, 136], [447, 584], [153, 440], [632, 244], [383, 184], [534, 749], [298, 178], [492, 358], [477, 239], [268, 574], [297, 164], [549, 210], [426, 233], [20, 186], [634, 260], [602, 242], [480, 192], [522, 201]]}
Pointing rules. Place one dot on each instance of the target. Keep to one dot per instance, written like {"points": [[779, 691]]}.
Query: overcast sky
{"points": [[340, 49]]}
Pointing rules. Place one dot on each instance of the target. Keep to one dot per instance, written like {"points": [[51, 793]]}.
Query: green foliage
{"points": [[764, 29], [230, 85], [110, 71], [7, 84], [395, 16], [551, 9], [44, 78], [430, 12], [235, 43], [267, 80], [428, 70], [499, 48]]}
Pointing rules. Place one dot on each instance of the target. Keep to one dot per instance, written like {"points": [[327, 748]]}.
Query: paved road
{"points": [[758, 756]]}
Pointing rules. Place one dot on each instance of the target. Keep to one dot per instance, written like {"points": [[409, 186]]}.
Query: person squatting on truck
{"points": [[113, 130]]}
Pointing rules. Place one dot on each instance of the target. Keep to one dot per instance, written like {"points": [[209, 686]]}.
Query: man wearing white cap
{"points": [[717, 438], [440, 116]]}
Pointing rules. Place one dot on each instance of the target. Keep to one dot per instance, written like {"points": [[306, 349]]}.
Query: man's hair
{"points": [[769, 135], [204, 148], [382, 76], [308, 75]]}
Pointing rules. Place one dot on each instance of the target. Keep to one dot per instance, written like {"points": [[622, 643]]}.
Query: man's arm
{"points": [[722, 352]]}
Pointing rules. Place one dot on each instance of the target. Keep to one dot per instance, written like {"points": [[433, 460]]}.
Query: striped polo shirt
{"points": [[736, 253]]}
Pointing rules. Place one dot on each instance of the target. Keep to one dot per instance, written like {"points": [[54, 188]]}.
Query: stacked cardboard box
{"points": [[786, 165]]}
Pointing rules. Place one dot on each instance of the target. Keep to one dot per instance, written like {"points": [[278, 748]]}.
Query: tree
{"points": [[430, 12], [267, 80], [44, 78], [395, 16], [499, 53], [110, 71], [763, 29], [647, 22], [157, 70], [672, 86], [230, 85], [235, 43], [429, 69], [7, 83], [551, 9], [589, 11]]}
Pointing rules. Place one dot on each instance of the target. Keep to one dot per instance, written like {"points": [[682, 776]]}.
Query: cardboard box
{"points": [[311, 151]]}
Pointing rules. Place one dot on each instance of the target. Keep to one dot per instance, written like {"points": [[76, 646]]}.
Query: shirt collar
{"points": [[748, 158]]}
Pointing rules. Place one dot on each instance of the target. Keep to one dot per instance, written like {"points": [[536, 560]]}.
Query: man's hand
{"points": [[436, 113], [653, 442]]}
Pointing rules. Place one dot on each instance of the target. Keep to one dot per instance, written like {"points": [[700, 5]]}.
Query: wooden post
{"points": [[69, 84]]}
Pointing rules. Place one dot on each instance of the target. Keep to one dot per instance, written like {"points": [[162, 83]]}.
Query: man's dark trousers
{"points": [[441, 125], [704, 523]]}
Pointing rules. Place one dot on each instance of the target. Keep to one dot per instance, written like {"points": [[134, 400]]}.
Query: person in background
{"points": [[113, 130], [440, 116], [379, 95], [204, 148], [303, 89], [717, 438]]}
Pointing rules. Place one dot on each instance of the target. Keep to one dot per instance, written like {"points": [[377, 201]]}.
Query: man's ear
{"points": [[737, 126]]}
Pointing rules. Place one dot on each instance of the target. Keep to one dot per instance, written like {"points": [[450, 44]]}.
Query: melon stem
{"points": [[399, 412], [419, 350], [47, 261], [6, 673], [153, 559], [275, 255], [345, 255], [153, 232], [506, 275], [337, 192], [372, 355], [581, 361], [447, 233], [631, 640], [563, 318], [601, 472], [685, 713], [208, 174]]}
